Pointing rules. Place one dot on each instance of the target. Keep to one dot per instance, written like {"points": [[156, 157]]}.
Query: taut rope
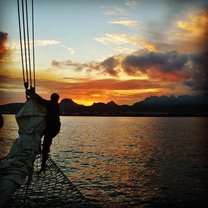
{"points": [[28, 64]]}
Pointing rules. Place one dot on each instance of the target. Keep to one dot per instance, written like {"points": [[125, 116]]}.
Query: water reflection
{"points": [[8, 133], [133, 162]]}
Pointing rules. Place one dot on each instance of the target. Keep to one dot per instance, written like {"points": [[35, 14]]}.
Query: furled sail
{"points": [[19, 162]]}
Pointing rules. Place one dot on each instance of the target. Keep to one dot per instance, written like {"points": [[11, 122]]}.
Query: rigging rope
{"points": [[51, 188], [21, 47], [28, 66], [33, 41], [28, 44], [25, 44]]}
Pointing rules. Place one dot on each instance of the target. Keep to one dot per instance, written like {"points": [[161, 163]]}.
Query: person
{"points": [[53, 123]]}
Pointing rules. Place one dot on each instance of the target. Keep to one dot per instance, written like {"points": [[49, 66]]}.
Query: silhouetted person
{"points": [[52, 123]]}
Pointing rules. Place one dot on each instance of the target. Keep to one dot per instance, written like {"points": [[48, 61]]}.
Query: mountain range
{"points": [[184, 105]]}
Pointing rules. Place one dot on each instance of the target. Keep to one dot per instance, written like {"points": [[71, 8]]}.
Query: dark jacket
{"points": [[52, 118]]}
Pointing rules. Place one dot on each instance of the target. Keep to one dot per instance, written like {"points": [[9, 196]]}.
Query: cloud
{"points": [[189, 69], [131, 3], [39, 43], [124, 22], [109, 65], [197, 25], [115, 11], [120, 38], [53, 43], [11, 89], [169, 66], [47, 42], [193, 33], [67, 63], [82, 90], [3, 45], [186, 68], [167, 62], [123, 50], [71, 51], [168, 72], [102, 90], [199, 78], [105, 67], [77, 66]]}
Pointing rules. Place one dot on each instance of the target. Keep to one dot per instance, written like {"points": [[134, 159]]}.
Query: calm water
{"points": [[131, 162]]}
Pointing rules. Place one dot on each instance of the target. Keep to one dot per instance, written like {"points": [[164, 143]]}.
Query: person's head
{"points": [[54, 97]]}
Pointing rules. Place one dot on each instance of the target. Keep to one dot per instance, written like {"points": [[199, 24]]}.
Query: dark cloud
{"points": [[3, 47], [197, 85], [191, 69], [77, 66], [67, 64], [170, 65], [165, 62], [109, 64], [199, 74]]}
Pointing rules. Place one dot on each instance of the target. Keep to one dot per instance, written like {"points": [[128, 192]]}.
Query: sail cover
{"points": [[19, 163]]}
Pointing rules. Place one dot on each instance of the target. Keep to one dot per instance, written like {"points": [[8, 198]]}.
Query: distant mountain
{"points": [[154, 105], [111, 108], [173, 105], [173, 101], [68, 106], [12, 108]]}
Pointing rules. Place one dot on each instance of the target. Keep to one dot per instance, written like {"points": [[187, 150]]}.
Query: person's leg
{"points": [[47, 141]]}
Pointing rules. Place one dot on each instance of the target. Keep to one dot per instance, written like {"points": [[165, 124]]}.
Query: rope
{"points": [[20, 34], [25, 45], [27, 185], [28, 44], [51, 188], [33, 41], [28, 65]]}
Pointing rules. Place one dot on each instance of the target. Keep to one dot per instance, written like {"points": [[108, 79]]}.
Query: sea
{"points": [[121, 162]]}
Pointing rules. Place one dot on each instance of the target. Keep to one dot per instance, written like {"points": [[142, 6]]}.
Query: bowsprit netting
{"points": [[27, 54], [50, 189]]}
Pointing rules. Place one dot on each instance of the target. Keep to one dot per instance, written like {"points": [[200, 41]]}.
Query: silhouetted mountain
{"points": [[102, 107], [11, 108], [151, 106], [112, 104], [172, 101], [173, 105], [68, 106]]}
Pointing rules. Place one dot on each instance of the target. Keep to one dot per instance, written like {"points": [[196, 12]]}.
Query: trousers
{"points": [[49, 134]]}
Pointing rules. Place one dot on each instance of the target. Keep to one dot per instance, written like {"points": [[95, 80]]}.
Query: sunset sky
{"points": [[98, 51]]}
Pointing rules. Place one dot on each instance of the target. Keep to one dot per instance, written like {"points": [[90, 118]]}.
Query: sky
{"points": [[99, 51]]}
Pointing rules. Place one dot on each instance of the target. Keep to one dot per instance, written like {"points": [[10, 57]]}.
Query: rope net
{"points": [[51, 189]]}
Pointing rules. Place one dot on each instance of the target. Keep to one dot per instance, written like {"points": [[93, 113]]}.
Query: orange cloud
{"points": [[194, 34], [103, 90], [84, 91], [167, 76], [197, 26], [121, 38]]}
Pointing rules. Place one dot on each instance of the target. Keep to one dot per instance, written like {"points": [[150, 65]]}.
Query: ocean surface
{"points": [[120, 162]]}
